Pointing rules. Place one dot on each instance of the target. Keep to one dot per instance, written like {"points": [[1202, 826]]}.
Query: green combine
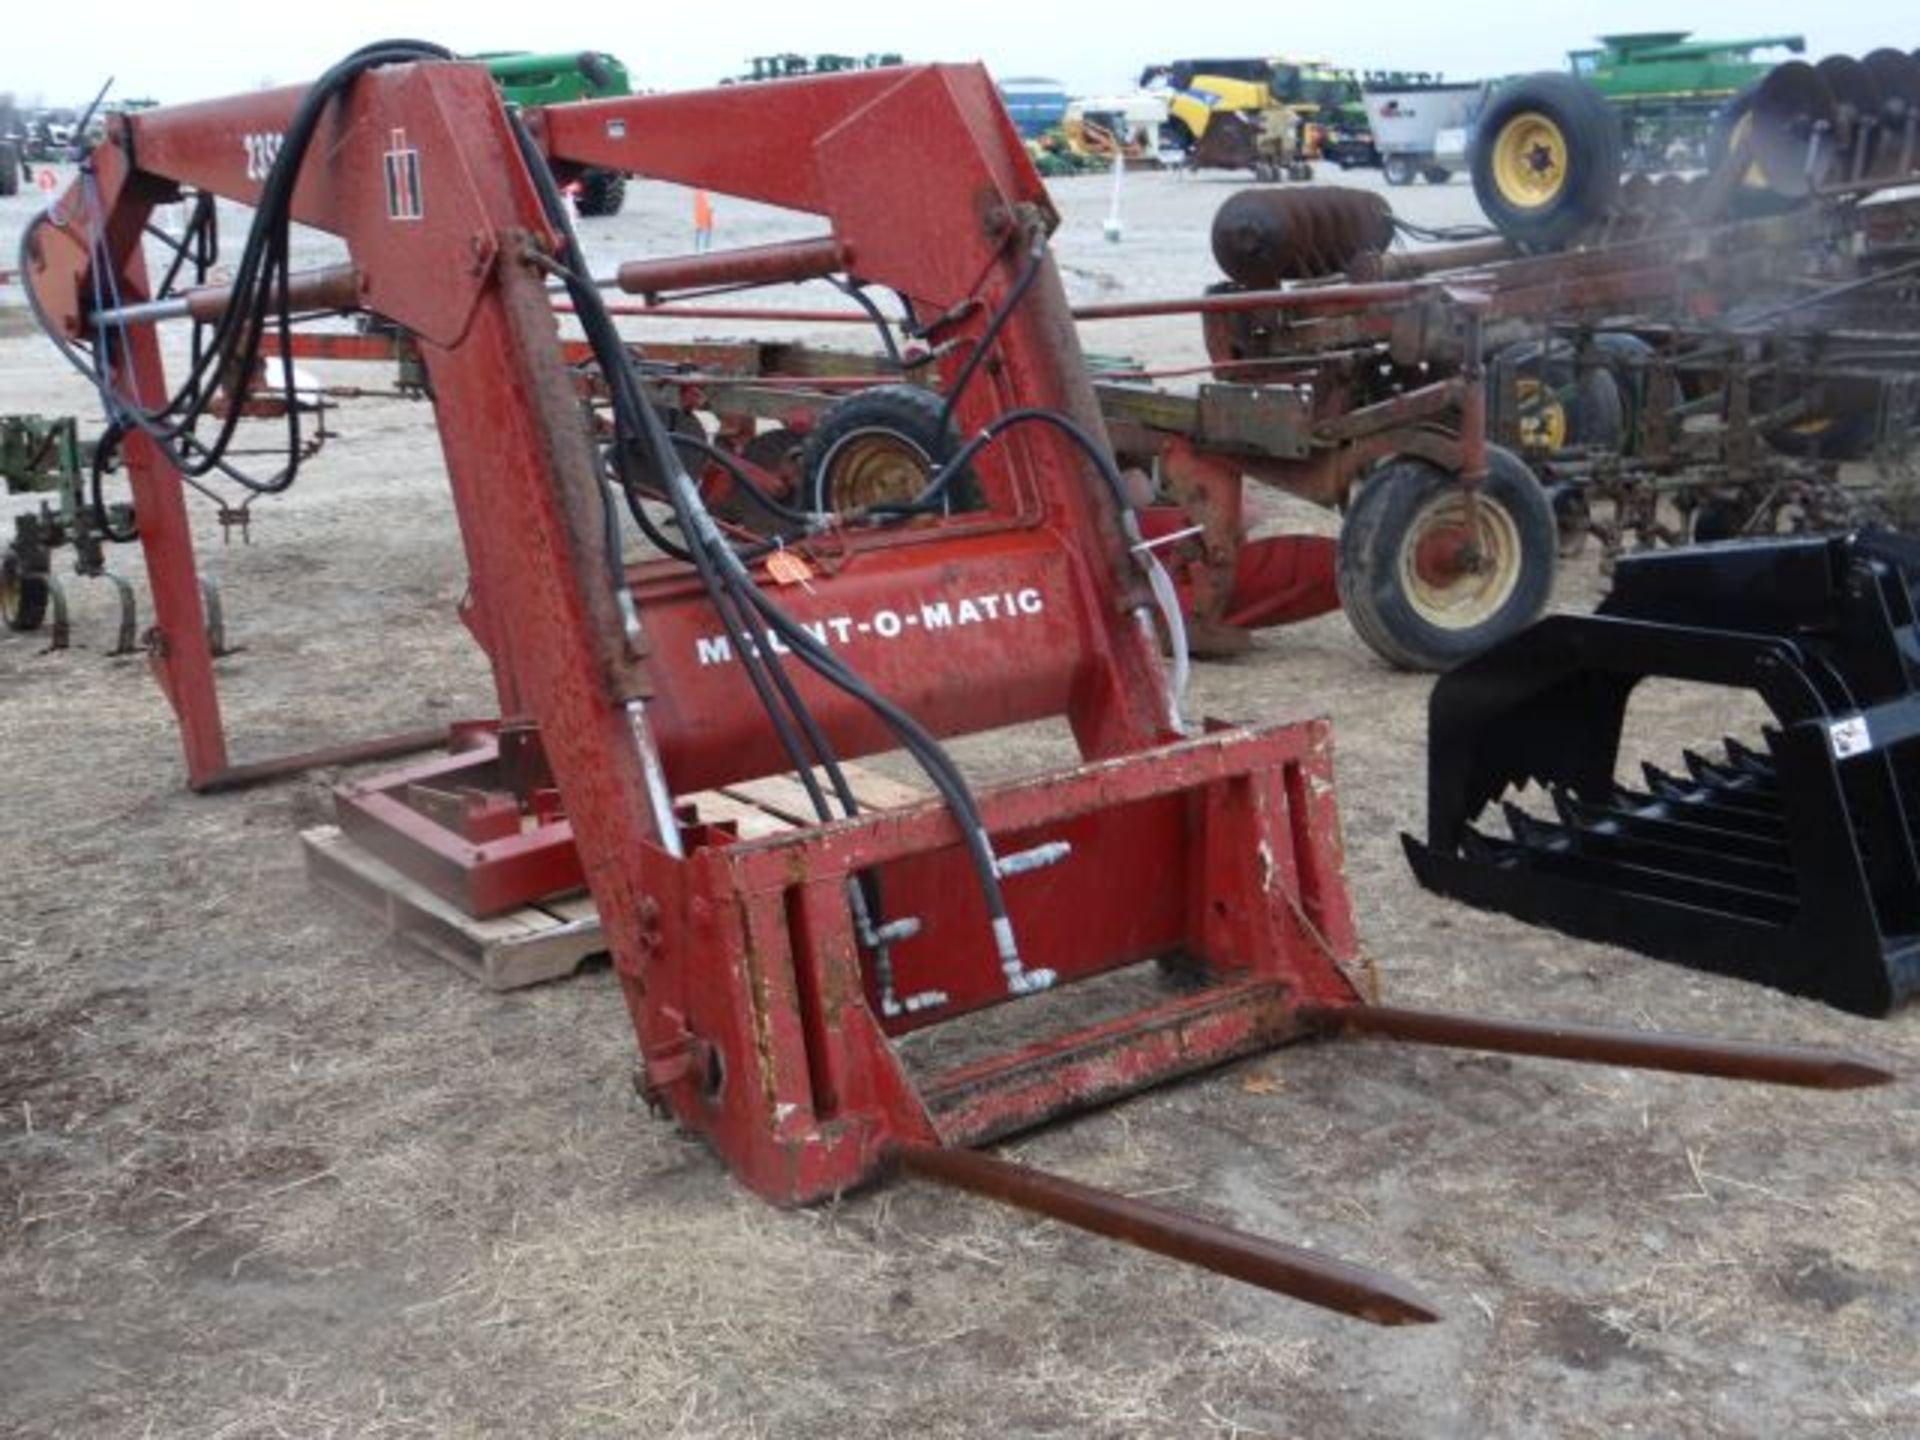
{"points": [[559, 79], [1666, 89]]}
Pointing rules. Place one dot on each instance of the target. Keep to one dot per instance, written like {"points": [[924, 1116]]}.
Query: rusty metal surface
{"points": [[1812, 1067], [352, 752], [1264, 236], [1369, 1295], [789, 260]]}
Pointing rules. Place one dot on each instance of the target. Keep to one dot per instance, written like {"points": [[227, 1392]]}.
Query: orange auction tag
{"points": [[788, 568]]}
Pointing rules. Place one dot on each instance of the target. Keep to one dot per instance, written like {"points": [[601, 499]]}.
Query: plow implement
{"points": [[1787, 857], [873, 991]]}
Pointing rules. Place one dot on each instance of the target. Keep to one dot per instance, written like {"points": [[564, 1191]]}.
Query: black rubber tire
{"points": [[601, 193], [1397, 170], [1595, 409], [1627, 356], [1436, 174], [11, 169], [1380, 524], [1848, 435], [1599, 412], [905, 413], [23, 597], [1591, 135]]}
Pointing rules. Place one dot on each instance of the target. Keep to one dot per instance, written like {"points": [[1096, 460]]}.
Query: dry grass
{"points": [[264, 1174]]}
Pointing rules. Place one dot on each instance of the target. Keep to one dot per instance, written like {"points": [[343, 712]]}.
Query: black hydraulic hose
{"points": [[933, 495], [627, 402], [774, 506], [259, 287], [978, 355], [721, 569], [858, 294]]}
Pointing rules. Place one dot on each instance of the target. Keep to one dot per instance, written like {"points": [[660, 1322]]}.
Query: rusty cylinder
{"points": [[1262, 237]]}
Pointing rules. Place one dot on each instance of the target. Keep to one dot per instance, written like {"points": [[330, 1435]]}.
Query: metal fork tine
{"points": [[1815, 1067], [1285, 1269]]}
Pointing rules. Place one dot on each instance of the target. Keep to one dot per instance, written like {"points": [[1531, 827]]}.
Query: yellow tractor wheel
{"points": [[1546, 160]]}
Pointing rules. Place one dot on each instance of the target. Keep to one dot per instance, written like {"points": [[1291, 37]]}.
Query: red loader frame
{"points": [[761, 1018], [759, 1022]]}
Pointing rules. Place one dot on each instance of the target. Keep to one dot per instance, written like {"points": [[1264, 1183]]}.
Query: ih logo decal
{"points": [[403, 179]]}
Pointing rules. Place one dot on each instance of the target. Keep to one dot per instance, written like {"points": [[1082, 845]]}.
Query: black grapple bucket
{"points": [[1789, 859]]}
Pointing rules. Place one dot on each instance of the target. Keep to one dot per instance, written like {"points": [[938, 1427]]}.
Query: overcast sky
{"points": [[60, 51]]}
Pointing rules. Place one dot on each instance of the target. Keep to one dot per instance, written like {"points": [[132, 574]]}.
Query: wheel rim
{"points": [[1752, 178], [1456, 576], [10, 592], [1530, 160], [1543, 419], [873, 467]]}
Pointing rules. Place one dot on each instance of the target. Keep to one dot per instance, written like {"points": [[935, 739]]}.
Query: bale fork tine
{"points": [[1815, 1067], [1354, 1290]]}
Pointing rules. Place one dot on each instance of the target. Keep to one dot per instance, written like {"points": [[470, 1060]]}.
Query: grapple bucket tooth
{"points": [[1717, 776], [1534, 833], [1793, 866], [1665, 786], [1748, 760]]}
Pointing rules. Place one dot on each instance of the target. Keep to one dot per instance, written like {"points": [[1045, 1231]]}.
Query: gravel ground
{"points": [[265, 1172]]}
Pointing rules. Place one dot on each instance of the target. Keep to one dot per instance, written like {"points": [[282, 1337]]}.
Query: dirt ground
{"points": [[264, 1172]]}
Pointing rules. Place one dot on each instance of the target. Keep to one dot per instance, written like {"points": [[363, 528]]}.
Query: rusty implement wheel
{"points": [[881, 447], [1542, 418], [1429, 576], [23, 596]]}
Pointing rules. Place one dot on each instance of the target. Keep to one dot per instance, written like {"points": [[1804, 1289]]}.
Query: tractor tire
{"points": [[1401, 582], [23, 597], [10, 170], [881, 447], [1398, 170], [601, 193], [1561, 409], [1437, 174], [1844, 435], [1546, 160], [1627, 357]]}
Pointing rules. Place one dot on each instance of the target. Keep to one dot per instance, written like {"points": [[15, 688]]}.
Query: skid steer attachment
{"points": [[1788, 859]]}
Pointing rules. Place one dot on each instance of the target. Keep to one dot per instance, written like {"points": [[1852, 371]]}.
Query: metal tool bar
{"points": [[335, 287], [353, 752], [786, 261], [1328, 298], [1816, 1067], [1285, 1269]]}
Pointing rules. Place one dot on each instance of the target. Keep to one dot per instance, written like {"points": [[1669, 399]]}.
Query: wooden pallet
{"points": [[547, 941]]}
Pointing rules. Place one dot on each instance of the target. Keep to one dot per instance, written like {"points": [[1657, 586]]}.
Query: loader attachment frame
{"points": [[1788, 859]]}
